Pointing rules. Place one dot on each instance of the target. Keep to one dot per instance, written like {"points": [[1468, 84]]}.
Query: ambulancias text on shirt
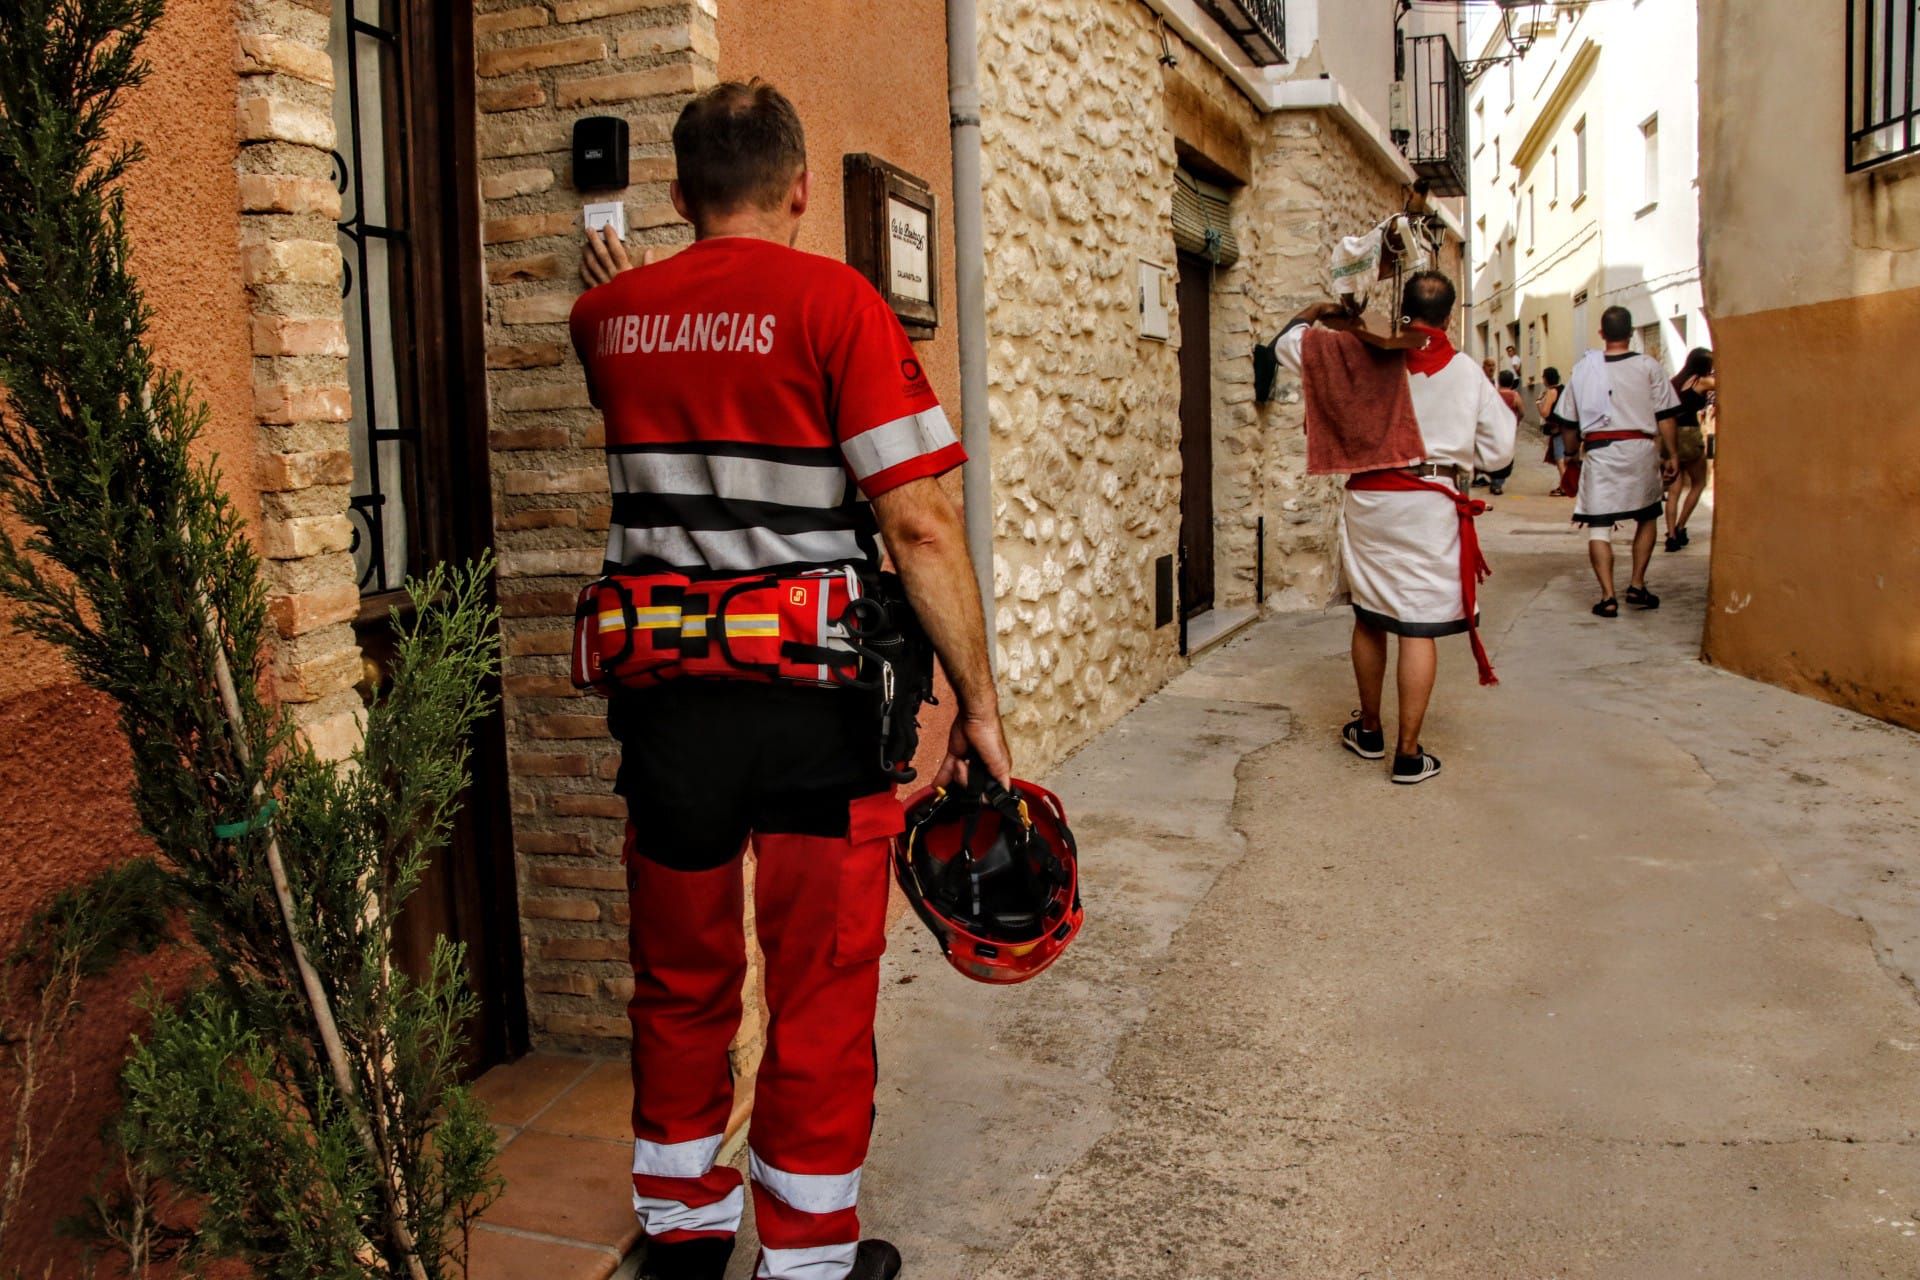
{"points": [[723, 331]]}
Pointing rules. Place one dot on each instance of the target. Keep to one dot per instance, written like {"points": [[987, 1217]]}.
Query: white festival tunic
{"points": [[1625, 392], [1401, 551]]}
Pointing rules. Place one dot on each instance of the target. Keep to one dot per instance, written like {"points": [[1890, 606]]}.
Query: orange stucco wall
{"points": [[1816, 548], [869, 79], [64, 805]]}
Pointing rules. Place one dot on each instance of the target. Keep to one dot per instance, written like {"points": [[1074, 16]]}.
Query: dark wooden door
{"points": [[409, 232], [1196, 436]]}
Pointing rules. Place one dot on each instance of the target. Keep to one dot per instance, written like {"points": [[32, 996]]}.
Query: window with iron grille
{"points": [[1257, 26], [1883, 46], [369, 169]]}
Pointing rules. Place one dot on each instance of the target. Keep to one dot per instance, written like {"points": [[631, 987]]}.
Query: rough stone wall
{"points": [[541, 66], [1085, 414], [1080, 159], [1313, 184], [290, 263]]}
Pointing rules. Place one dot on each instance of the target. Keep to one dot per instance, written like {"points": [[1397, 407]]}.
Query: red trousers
{"points": [[820, 912]]}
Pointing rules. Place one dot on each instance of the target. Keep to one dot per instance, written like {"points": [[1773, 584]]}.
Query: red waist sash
{"points": [[1608, 437], [1473, 565]]}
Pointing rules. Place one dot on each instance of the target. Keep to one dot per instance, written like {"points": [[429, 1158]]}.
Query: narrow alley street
{"points": [[1628, 991]]}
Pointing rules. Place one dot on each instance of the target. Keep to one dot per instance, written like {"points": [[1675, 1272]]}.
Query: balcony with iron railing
{"points": [[1258, 26], [1883, 55], [1431, 122]]}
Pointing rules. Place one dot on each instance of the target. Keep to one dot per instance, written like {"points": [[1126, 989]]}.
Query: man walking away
{"points": [[1624, 409], [1409, 552], [764, 411], [1509, 396]]}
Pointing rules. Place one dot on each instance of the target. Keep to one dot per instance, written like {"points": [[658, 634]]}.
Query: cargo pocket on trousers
{"points": [[860, 923]]}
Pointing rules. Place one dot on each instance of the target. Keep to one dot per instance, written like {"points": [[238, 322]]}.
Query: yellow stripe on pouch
{"points": [[692, 624], [738, 624], [657, 619]]}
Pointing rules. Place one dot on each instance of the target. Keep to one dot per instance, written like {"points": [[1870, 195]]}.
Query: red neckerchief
{"points": [[1435, 356]]}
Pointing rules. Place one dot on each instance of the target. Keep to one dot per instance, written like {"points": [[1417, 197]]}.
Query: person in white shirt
{"points": [[1408, 550], [1624, 409]]}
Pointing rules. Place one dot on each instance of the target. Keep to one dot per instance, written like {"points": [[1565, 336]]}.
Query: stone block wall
{"points": [[541, 66], [290, 264], [1081, 122], [1085, 413]]}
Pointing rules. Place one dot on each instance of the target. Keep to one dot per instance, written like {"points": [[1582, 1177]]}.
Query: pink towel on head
{"points": [[1359, 408]]}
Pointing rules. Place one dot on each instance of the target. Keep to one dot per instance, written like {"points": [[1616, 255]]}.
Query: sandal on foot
{"points": [[1641, 598], [1608, 608]]}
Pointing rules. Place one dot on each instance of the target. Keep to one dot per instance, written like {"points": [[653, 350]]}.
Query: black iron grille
{"points": [[1883, 44], [1436, 144], [1258, 26]]}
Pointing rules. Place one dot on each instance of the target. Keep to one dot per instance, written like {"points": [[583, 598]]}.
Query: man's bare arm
{"points": [[928, 544]]}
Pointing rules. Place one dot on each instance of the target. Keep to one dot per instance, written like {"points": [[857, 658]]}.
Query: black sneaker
{"points": [[877, 1260], [1674, 542], [1417, 767], [1641, 598], [1683, 535], [688, 1259], [1368, 744]]}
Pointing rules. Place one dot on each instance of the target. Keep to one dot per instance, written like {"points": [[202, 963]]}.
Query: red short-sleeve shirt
{"points": [[755, 397]]}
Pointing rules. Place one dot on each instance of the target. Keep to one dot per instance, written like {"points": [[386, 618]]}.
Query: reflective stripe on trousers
{"points": [[820, 910]]}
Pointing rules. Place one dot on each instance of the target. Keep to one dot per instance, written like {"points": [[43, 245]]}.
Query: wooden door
{"points": [[409, 232], [1196, 436]]}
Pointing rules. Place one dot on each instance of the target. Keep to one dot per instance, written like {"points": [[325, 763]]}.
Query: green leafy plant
{"points": [[307, 1093]]}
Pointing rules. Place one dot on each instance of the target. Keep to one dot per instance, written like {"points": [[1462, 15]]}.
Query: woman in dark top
{"points": [[1559, 451], [1694, 386]]}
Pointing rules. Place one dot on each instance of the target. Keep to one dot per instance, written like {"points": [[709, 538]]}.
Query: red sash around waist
{"points": [[1473, 565], [1608, 437]]}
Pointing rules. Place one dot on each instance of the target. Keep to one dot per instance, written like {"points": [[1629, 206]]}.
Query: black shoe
{"points": [[1675, 542], [877, 1260], [1368, 744], [688, 1260], [1641, 598], [1608, 608], [1497, 490], [1681, 533], [1417, 767]]}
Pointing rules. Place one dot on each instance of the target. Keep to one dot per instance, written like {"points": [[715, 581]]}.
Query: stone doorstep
{"points": [[565, 1148], [1216, 626]]}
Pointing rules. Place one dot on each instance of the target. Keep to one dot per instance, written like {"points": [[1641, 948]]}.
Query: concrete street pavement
{"points": [[1628, 991]]}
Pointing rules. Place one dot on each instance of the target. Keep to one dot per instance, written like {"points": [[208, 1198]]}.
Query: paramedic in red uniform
{"points": [[765, 411]]}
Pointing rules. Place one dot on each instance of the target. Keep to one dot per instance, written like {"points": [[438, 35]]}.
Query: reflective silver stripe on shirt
{"points": [[730, 550], [675, 1159], [823, 1262], [659, 1216], [740, 479], [807, 1192], [902, 440]]}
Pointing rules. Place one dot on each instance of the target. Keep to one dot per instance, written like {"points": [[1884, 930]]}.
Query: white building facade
{"points": [[1585, 188]]}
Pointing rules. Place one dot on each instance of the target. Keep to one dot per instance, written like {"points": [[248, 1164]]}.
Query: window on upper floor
{"points": [[1479, 126], [1553, 166], [1650, 155], [1533, 222], [1580, 159], [1883, 56]]}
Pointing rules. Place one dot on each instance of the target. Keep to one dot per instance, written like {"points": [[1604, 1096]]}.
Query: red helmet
{"points": [[994, 874]]}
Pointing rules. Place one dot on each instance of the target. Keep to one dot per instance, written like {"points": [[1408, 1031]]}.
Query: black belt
{"points": [[1460, 476]]}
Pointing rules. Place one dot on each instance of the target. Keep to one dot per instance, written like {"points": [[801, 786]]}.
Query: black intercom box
{"points": [[599, 153]]}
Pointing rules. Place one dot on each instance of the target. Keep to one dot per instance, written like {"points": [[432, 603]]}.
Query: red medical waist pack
{"points": [[632, 631]]}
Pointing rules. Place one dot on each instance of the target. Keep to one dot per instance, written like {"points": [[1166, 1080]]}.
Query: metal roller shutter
{"points": [[1202, 222]]}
